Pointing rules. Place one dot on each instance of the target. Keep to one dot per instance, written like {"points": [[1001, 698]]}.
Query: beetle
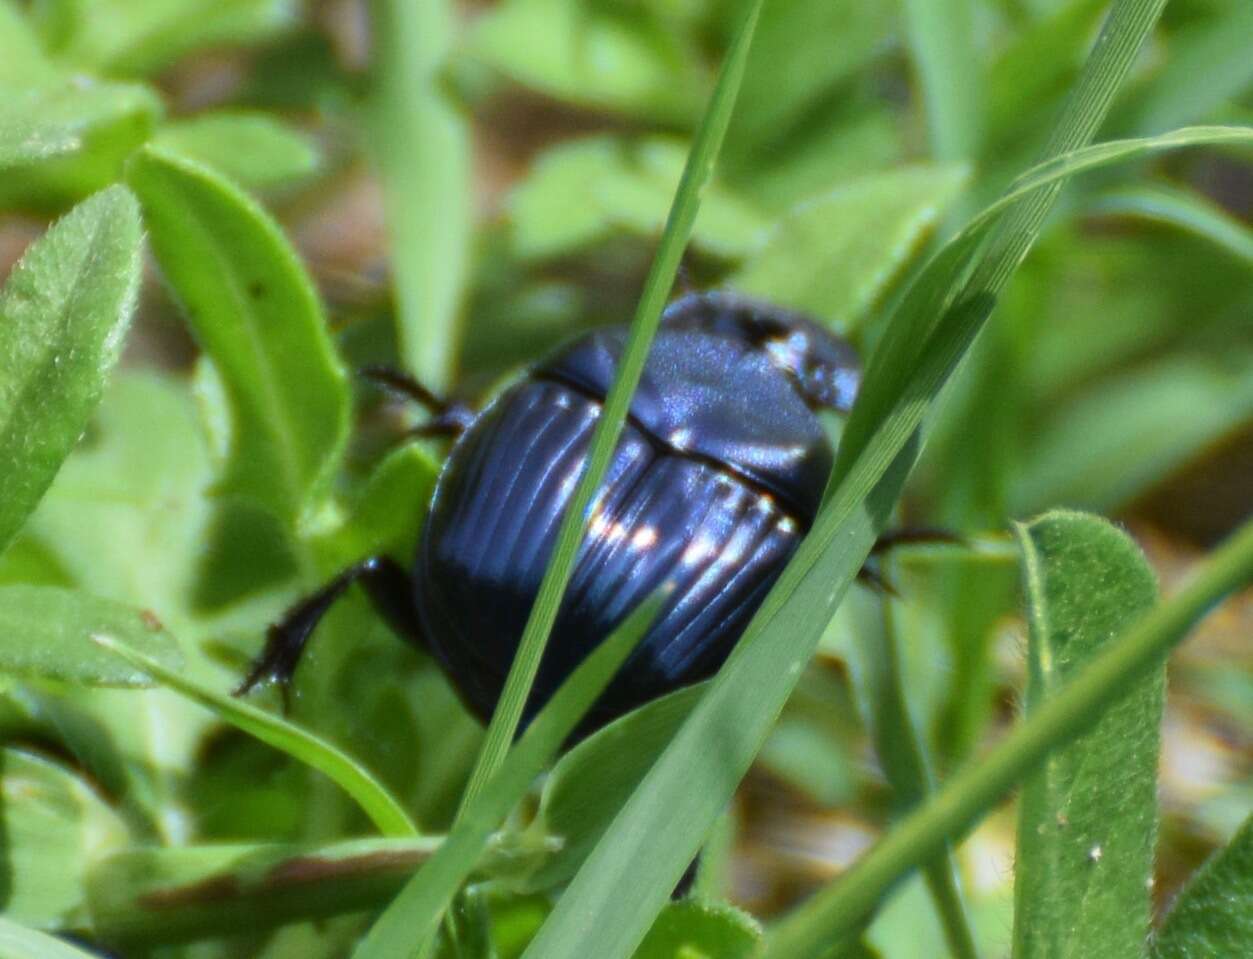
{"points": [[719, 472]]}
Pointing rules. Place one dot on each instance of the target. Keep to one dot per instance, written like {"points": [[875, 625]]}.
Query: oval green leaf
{"points": [[1213, 916], [63, 314], [253, 149], [1088, 819], [254, 310]]}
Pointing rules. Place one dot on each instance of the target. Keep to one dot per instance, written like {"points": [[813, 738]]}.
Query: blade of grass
{"points": [[1182, 209], [373, 798], [835, 912], [408, 923], [1209, 63], [696, 176], [421, 148], [625, 881], [942, 38], [903, 754]]}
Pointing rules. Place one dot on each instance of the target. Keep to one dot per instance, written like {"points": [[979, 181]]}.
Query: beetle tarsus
{"points": [[387, 586]]}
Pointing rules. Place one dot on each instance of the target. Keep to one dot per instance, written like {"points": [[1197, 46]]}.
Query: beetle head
{"points": [[824, 368]]}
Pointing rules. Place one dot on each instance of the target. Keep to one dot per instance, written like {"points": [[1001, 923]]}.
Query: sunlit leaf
{"points": [[1088, 819], [63, 314], [255, 312]]}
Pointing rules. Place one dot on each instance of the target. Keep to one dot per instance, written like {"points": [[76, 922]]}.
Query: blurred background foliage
{"points": [[468, 187]]}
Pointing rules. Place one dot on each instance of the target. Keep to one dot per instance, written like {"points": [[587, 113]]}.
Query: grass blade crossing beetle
{"points": [[719, 472]]}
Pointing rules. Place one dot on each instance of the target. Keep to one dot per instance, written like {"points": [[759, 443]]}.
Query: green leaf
{"points": [[387, 515], [943, 40], [1088, 819], [413, 916], [343, 770], [583, 191], [63, 314], [657, 286], [18, 942], [802, 53], [1213, 916], [127, 38], [54, 826], [602, 56], [46, 632], [63, 138], [1114, 440], [589, 784], [257, 315], [692, 929], [253, 149], [834, 256], [22, 58], [1208, 63], [421, 147], [1180, 208]]}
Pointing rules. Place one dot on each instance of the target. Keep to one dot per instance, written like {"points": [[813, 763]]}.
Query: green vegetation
{"points": [[1032, 219]]}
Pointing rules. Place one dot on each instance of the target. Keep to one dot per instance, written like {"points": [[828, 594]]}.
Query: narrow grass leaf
{"points": [[1209, 63], [836, 912], [1087, 822], [657, 286], [626, 879], [254, 149], [1113, 441], [63, 314], [377, 803], [45, 633], [835, 255], [1179, 208], [942, 39], [156, 895], [420, 146], [20, 942], [254, 310], [412, 918], [1212, 918], [589, 784], [54, 825]]}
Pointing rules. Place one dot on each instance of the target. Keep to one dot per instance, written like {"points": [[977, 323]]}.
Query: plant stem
{"points": [[835, 912], [904, 759]]}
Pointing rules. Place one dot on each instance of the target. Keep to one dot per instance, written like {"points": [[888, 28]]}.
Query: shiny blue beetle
{"points": [[719, 472]]}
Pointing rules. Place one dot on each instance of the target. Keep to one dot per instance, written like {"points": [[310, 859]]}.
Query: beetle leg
{"points": [[390, 593], [448, 417], [873, 577]]}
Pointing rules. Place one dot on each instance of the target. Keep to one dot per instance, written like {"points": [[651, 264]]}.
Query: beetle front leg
{"points": [[391, 594]]}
